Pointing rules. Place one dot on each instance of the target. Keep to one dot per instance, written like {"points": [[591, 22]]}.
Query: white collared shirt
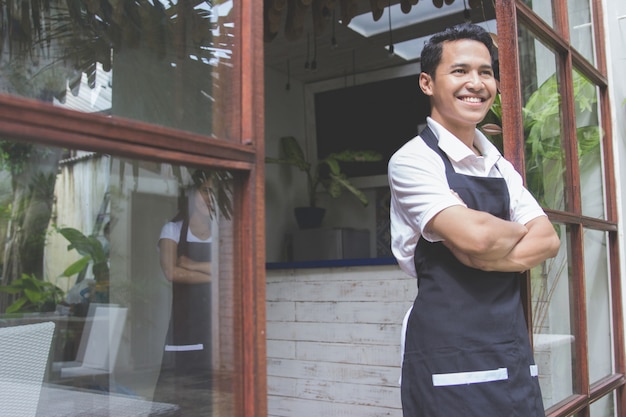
{"points": [[420, 190], [171, 230]]}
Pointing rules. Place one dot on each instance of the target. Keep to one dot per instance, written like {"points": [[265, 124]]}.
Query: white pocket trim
{"points": [[464, 378], [183, 348], [534, 370]]}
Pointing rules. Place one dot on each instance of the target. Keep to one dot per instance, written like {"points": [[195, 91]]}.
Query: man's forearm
{"points": [[539, 244], [475, 233]]}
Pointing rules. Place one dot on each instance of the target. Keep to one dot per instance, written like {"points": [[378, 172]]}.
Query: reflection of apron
{"points": [[190, 337], [467, 349]]}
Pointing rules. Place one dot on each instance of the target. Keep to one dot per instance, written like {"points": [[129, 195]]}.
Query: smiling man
{"points": [[464, 225]]}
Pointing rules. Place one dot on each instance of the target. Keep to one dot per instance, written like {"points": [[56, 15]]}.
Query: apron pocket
{"points": [[460, 382], [466, 378]]}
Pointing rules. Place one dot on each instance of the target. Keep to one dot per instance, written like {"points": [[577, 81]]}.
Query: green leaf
{"points": [[356, 156], [333, 188], [76, 267], [10, 289], [77, 240], [293, 153], [333, 165], [96, 250], [30, 283], [17, 305], [343, 181], [34, 296]]}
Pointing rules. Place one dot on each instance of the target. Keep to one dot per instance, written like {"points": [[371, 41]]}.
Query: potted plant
{"points": [[325, 173], [35, 295], [93, 252]]}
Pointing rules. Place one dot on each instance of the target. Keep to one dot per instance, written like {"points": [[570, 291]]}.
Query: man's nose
{"points": [[474, 80]]}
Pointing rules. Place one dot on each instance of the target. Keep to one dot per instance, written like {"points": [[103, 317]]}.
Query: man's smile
{"points": [[472, 99]]}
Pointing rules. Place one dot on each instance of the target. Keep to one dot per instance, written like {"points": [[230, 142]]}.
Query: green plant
{"points": [[544, 149], [92, 251], [336, 181], [36, 295], [545, 167]]}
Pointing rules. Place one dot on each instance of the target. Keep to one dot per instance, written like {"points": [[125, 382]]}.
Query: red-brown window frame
{"points": [[509, 14], [37, 122]]}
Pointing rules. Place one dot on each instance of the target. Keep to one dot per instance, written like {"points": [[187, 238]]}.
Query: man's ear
{"points": [[426, 83]]}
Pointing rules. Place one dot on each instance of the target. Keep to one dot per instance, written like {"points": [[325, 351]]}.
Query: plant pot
{"points": [[309, 217]]}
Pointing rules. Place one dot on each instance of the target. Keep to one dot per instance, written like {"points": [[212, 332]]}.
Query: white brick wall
{"points": [[333, 341]]}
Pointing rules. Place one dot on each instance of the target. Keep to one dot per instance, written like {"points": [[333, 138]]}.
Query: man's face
{"points": [[463, 88]]}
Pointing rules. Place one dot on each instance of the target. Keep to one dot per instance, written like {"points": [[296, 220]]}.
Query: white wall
{"points": [[333, 341], [284, 116], [290, 113], [615, 25]]}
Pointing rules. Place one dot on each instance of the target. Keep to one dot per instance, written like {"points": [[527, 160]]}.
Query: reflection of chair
{"points": [[99, 342], [24, 354]]}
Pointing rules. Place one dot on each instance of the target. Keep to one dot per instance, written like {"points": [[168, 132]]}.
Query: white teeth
{"points": [[472, 99]]}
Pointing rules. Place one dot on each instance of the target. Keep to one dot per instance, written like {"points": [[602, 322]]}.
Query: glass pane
{"points": [[553, 332], [604, 407], [144, 313], [161, 62], [600, 338], [588, 134], [581, 27], [545, 169], [543, 9]]}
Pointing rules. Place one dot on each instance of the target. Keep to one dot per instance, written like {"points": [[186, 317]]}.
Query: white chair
{"points": [[24, 352], [99, 343]]}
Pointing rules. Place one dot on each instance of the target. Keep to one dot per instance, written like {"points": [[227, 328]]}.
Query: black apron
{"points": [[467, 351], [185, 378], [189, 339]]}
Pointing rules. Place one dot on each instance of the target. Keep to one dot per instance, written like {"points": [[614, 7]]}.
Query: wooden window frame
{"points": [[33, 121], [510, 14]]}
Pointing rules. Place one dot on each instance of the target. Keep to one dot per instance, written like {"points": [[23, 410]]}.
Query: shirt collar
{"points": [[457, 151]]}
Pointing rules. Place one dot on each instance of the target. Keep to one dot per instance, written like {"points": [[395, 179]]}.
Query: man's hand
{"points": [[493, 244], [476, 234]]}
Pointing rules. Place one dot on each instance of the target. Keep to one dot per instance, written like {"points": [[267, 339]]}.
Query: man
{"points": [[464, 225]]}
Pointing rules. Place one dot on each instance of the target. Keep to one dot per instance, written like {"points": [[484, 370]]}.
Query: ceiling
{"points": [[309, 59]]}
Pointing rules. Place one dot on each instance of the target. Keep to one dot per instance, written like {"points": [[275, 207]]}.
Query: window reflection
{"points": [[161, 62], [543, 9], [553, 329], [545, 168], [84, 246], [588, 136], [581, 27], [600, 338], [603, 407]]}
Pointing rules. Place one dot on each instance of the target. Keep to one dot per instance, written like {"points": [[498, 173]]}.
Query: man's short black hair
{"points": [[431, 54]]}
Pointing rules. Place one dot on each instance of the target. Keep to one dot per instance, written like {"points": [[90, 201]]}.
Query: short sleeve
{"points": [[171, 230], [419, 190]]}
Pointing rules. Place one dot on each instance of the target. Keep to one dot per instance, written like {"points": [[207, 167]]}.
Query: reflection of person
{"points": [[185, 256], [464, 225]]}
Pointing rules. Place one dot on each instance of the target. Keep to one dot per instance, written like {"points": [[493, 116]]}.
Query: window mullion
{"points": [[512, 122], [568, 130], [40, 122]]}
